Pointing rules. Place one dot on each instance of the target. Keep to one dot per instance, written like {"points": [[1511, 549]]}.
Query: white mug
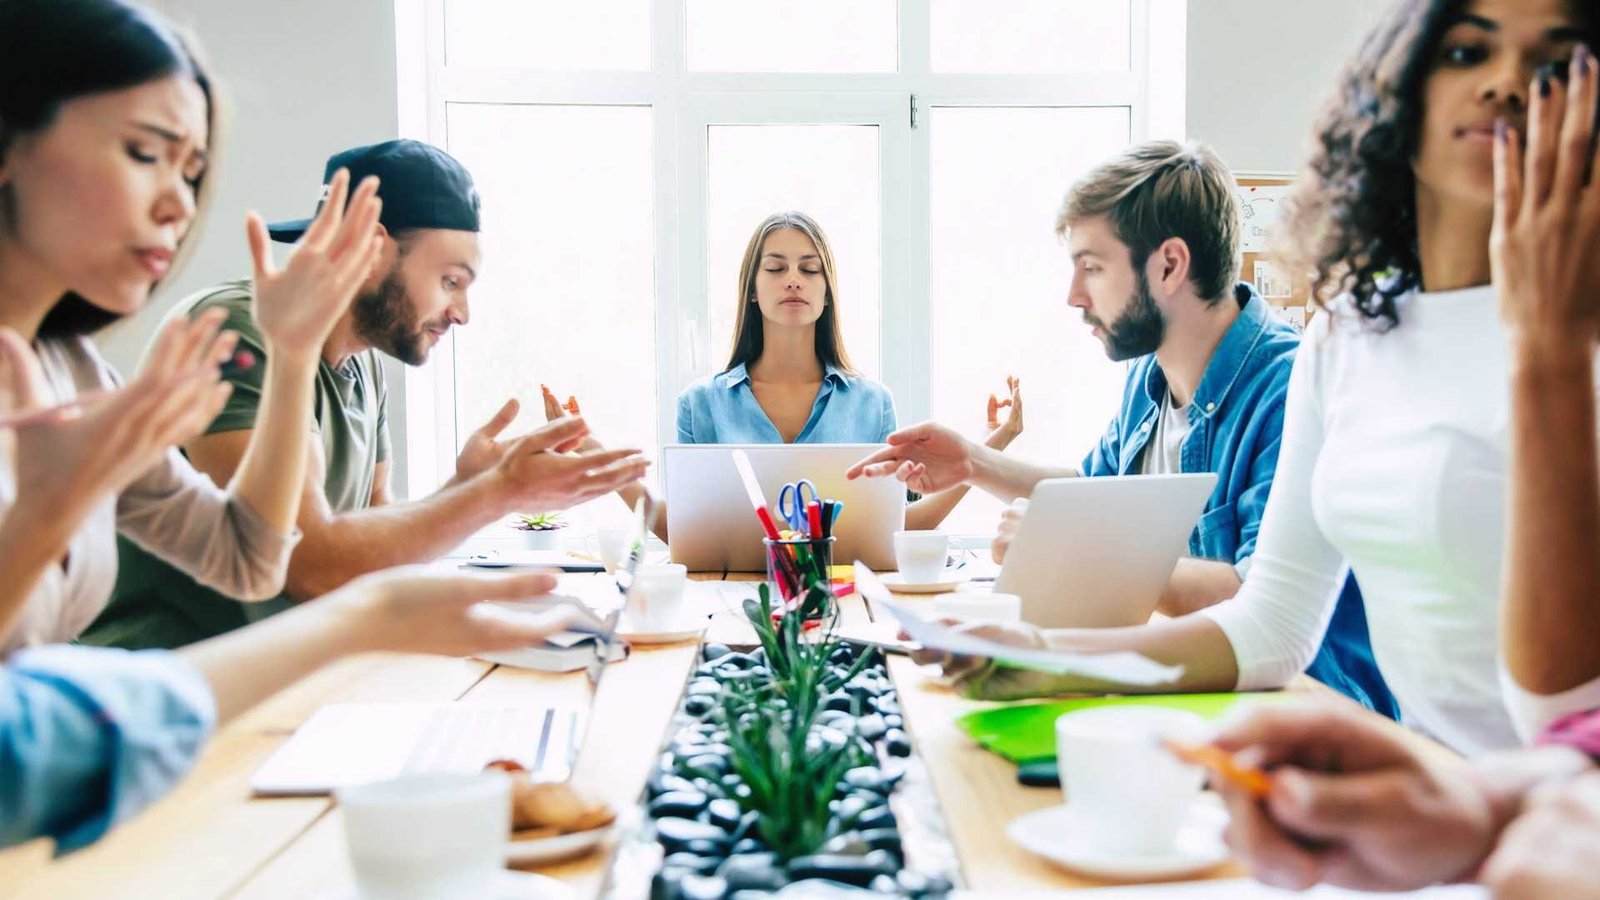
{"points": [[656, 599], [427, 836], [921, 555], [1116, 775]]}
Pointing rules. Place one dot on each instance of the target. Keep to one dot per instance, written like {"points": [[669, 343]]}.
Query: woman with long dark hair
{"points": [[788, 379], [1395, 449], [107, 128]]}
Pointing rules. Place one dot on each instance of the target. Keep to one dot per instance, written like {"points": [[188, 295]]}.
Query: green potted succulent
{"points": [[540, 531]]}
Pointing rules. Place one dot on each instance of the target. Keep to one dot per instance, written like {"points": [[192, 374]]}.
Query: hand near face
{"points": [[1547, 215], [298, 305], [68, 461]]}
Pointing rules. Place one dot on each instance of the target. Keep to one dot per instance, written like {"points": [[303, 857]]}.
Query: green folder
{"points": [[1026, 732]]}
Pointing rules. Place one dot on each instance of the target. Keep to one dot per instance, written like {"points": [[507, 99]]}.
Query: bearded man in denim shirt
{"points": [[1154, 239]]}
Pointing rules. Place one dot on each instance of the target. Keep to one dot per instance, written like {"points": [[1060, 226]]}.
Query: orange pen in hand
{"points": [[1253, 781]]}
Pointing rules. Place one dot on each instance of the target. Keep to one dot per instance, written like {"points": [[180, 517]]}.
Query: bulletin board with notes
{"points": [[1261, 198]]}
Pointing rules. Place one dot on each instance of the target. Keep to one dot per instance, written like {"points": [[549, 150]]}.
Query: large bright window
{"points": [[626, 149]]}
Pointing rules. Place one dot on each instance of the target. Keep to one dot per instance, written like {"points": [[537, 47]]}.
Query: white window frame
{"points": [[684, 103]]}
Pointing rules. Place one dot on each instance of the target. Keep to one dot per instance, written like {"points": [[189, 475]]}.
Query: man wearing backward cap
{"points": [[416, 292]]}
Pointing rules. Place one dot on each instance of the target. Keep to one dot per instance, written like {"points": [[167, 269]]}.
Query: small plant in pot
{"points": [[540, 531]]}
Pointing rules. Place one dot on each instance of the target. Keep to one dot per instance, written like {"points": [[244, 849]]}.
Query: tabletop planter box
{"points": [[785, 763]]}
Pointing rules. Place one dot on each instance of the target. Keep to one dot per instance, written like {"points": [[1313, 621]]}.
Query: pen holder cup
{"points": [[798, 568]]}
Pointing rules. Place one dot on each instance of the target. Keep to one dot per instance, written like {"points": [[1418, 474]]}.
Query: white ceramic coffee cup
{"points": [[609, 544], [920, 555], [427, 836], [1116, 775], [656, 600], [979, 606]]}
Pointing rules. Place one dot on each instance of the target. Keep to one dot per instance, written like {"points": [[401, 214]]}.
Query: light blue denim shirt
{"points": [[722, 409], [89, 737]]}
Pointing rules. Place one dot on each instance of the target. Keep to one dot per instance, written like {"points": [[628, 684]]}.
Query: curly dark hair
{"points": [[1352, 217]]}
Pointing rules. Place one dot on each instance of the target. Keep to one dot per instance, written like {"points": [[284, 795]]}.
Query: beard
{"points": [[387, 319], [1139, 330]]}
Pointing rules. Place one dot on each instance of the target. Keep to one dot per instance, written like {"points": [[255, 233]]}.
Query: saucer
{"points": [[509, 885], [539, 851], [687, 629], [1064, 837], [949, 581]]}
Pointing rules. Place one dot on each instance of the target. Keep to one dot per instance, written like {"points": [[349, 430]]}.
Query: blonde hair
{"points": [[1163, 189], [747, 328]]}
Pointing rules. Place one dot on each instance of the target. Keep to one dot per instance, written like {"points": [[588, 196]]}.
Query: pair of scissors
{"points": [[793, 500]]}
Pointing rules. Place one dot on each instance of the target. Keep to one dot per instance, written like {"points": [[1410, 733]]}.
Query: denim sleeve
{"points": [[685, 420], [89, 736], [889, 424], [1260, 469], [1102, 460]]}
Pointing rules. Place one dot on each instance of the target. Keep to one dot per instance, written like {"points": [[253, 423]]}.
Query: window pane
{"points": [[793, 36], [566, 296], [1000, 279], [829, 172], [1030, 36], [550, 35]]}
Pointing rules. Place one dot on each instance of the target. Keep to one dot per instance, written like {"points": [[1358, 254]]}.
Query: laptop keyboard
{"points": [[463, 737]]}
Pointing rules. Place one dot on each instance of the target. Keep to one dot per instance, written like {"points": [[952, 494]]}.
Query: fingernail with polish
{"points": [[1580, 59], [1500, 130], [1544, 85]]}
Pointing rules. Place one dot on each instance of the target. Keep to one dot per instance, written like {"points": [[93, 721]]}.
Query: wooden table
{"points": [[210, 838]]}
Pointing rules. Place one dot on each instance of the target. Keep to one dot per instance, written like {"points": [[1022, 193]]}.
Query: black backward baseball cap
{"points": [[421, 187]]}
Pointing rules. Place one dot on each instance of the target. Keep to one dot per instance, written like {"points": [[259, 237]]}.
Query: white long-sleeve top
{"points": [[1396, 449]]}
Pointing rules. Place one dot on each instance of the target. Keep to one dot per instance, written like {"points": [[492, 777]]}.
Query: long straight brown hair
{"points": [[747, 328]]}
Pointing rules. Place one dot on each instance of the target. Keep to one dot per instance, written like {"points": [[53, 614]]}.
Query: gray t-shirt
{"points": [[1164, 454]]}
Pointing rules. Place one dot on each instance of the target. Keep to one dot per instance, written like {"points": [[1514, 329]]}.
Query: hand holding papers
{"points": [[1120, 668]]}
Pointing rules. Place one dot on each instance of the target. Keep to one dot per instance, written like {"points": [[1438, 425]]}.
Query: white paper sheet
{"points": [[1121, 668]]}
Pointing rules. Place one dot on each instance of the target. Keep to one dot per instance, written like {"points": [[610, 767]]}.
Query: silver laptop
{"points": [[1097, 552], [344, 744], [712, 528]]}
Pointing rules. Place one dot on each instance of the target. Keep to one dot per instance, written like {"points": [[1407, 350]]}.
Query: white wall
{"points": [[303, 79], [1259, 70]]}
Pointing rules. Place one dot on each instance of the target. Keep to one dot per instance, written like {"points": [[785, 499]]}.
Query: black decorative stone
{"points": [[676, 833], [724, 814], [871, 727], [700, 887], [713, 652], [856, 870], [698, 865], [755, 871], [896, 743], [682, 804]]}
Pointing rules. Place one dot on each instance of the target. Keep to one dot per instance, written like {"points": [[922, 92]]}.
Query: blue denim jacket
{"points": [[89, 737], [1236, 430], [722, 409]]}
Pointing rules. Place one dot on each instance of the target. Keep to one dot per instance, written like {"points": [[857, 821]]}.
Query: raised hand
{"points": [[1354, 802], [1001, 434], [1547, 213], [68, 462], [927, 457], [483, 449], [541, 471], [297, 305], [555, 410]]}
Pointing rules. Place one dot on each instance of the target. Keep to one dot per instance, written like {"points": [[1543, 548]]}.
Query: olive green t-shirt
{"points": [[154, 604]]}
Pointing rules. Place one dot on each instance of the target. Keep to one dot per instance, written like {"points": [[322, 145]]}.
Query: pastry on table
{"points": [[541, 809]]}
